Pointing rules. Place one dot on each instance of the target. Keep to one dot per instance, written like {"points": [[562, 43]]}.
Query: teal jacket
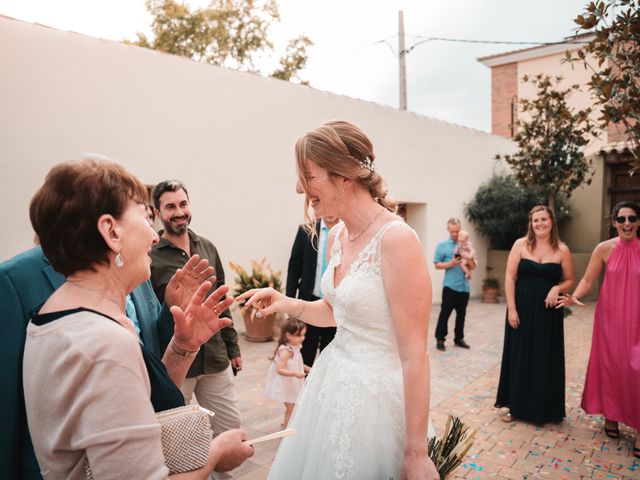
{"points": [[26, 282]]}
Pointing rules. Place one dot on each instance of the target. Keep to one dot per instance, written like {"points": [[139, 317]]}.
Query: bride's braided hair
{"points": [[343, 150]]}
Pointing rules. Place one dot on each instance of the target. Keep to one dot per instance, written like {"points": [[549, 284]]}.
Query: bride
{"points": [[364, 411]]}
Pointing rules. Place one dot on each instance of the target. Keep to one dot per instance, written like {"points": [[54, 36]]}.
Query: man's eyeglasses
{"points": [[622, 218]]}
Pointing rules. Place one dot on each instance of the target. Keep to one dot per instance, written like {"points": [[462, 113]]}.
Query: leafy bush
{"points": [[261, 276], [500, 210], [491, 282]]}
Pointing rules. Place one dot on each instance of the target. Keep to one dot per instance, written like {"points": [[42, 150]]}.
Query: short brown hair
{"points": [[65, 210]]}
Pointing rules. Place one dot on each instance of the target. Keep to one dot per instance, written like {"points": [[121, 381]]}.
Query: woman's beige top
{"points": [[87, 391]]}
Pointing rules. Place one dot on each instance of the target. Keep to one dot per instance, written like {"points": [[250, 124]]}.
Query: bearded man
{"points": [[210, 376]]}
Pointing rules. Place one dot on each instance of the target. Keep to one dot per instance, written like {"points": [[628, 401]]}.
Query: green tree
{"points": [[500, 210], [551, 138], [229, 33], [615, 81], [294, 60]]}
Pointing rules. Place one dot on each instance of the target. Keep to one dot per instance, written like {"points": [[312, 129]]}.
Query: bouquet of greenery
{"points": [[448, 452]]}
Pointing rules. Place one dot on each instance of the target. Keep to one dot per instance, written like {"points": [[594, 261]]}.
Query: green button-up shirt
{"points": [[166, 258]]}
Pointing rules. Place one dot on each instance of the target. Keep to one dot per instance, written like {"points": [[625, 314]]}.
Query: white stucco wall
{"points": [[228, 135]]}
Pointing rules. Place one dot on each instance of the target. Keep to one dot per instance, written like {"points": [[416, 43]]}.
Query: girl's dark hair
{"points": [[292, 326], [625, 204]]}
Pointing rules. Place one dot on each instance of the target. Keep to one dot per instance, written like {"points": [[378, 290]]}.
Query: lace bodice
{"points": [[359, 301]]}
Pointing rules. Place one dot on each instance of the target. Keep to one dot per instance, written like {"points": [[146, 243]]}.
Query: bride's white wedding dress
{"points": [[350, 415]]}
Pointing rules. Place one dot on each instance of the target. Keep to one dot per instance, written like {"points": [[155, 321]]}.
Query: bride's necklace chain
{"points": [[359, 234], [99, 294]]}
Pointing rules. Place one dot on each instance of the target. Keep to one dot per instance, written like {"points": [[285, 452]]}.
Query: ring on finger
{"points": [[215, 310]]}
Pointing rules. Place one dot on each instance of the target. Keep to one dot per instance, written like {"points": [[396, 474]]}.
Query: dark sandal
{"points": [[612, 432]]}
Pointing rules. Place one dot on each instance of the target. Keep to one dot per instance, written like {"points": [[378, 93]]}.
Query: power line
{"points": [[385, 41], [466, 40]]}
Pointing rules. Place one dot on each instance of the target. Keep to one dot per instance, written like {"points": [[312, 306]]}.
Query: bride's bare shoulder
{"points": [[398, 236]]}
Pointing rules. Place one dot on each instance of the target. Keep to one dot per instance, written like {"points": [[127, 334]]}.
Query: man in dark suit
{"points": [[306, 265], [26, 282]]}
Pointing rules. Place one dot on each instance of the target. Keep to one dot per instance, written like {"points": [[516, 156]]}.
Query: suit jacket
{"points": [[26, 282], [301, 273]]}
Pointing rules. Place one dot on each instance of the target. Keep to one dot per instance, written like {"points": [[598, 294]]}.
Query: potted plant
{"points": [[257, 329], [490, 290]]}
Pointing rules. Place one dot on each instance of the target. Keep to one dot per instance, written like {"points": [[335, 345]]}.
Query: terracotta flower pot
{"points": [[257, 329], [490, 295]]}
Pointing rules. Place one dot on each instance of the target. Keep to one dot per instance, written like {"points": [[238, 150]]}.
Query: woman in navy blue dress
{"points": [[539, 271]]}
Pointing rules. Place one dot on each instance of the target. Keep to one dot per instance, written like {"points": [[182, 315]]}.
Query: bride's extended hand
{"points": [[420, 467], [267, 301]]}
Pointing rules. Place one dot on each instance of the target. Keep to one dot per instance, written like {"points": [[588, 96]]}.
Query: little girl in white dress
{"points": [[285, 377]]}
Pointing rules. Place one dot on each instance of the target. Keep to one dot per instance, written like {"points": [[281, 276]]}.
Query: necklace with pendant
{"points": [[359, 234]]}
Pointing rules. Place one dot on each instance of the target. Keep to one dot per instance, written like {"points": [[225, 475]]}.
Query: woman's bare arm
{"points": [[408, 288]]}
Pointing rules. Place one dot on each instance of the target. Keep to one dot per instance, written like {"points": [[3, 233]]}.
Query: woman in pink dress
{"points": [[612, 386]]}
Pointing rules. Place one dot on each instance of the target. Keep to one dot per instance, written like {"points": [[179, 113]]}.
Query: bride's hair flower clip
{"points": [[367, 163]]}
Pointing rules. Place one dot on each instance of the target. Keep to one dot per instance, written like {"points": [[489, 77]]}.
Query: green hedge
{"points": [[500, 210]]}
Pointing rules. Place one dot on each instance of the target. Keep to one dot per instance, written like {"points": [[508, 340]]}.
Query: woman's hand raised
{"points": [[200, 320], [186, 281]]}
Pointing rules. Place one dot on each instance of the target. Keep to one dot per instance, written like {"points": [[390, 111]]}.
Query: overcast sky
{"points": [[444, 80]]}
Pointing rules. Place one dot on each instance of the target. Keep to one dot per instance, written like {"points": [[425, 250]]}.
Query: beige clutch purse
{"points": [[186, 437]]}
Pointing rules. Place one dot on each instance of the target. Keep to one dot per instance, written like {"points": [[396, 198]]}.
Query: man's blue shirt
{"points": [[453, 277]]}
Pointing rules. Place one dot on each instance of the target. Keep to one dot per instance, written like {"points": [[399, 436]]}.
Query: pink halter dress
{"points": [[612, 386]]}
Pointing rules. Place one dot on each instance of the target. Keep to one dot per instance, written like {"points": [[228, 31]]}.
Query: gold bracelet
{"points": [[181, 351]]}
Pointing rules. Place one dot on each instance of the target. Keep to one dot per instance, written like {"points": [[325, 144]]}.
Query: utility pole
{"points": [[402, 57]]}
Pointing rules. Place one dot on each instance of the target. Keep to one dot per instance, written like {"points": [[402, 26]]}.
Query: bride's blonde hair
{"points": [[343, 150]]}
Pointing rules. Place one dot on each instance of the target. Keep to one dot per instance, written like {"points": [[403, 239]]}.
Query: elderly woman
{"points": [[539, 269], [612, 386], [87, 389]]}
